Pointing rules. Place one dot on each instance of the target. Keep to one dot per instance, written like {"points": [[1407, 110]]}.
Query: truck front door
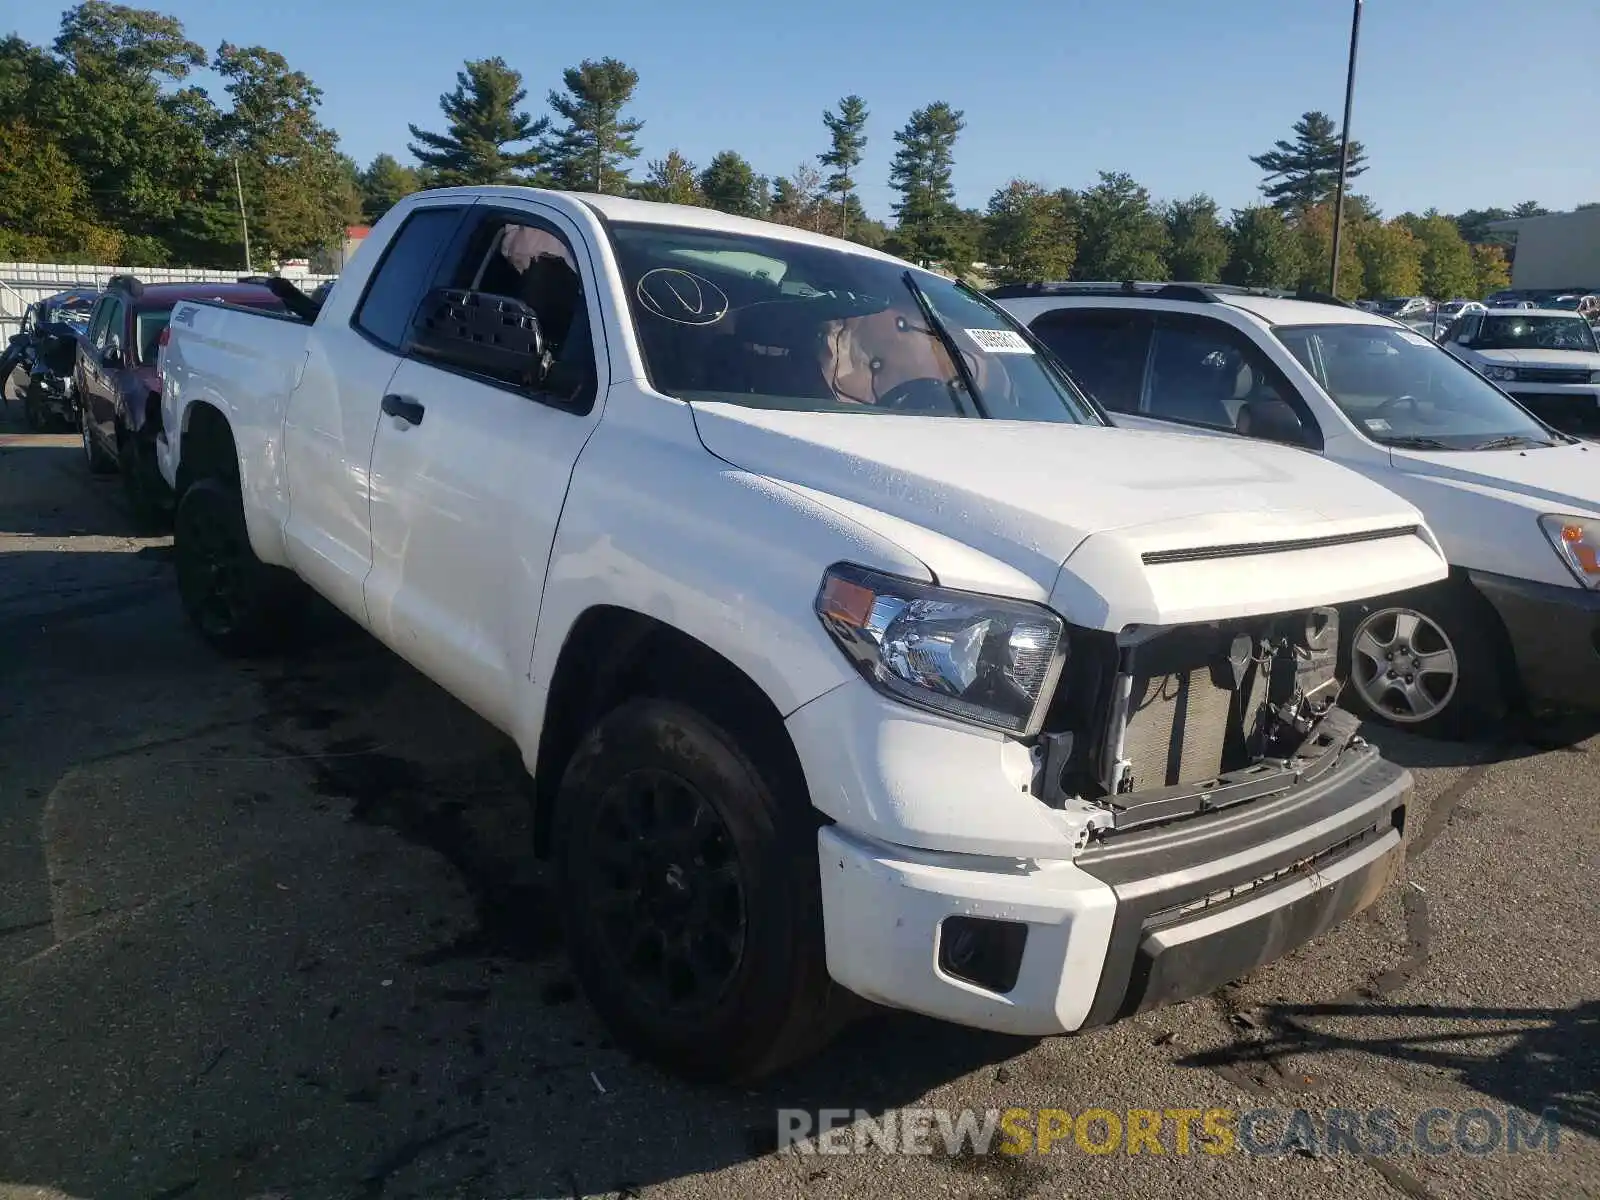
{"points": [[351, 353], [469, 471]]}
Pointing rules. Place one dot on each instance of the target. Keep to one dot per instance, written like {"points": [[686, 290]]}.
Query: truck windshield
{"points": [[772, 323], [1535, 333], [1402, 390]]}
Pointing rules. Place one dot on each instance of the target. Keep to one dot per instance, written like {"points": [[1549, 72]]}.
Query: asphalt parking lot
{"points": [[271, 931]]}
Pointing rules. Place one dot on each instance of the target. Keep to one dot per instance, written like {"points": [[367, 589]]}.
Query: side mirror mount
{"points": [[111, 356], [476, 331], [1272, 421]]}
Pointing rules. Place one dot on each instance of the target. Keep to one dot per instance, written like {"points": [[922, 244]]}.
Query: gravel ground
{"points": [[273, 931]]}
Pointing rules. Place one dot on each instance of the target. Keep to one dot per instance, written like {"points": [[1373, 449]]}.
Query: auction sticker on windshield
{"points": [[1000, 341]]}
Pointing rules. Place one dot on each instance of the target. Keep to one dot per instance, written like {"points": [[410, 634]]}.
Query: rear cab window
{"points": [[397, 286]]}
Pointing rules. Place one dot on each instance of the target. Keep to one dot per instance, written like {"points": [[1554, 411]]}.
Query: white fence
{"points": [[22, 284]]}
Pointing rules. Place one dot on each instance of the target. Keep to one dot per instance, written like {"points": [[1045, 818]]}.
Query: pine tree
{"points": [[483, 123], [1305, 172], [670, 180], [731, 184], [592, 152], [846, 128], [930, 224]]}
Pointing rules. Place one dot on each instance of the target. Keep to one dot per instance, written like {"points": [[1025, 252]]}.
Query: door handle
{"points": [[404, 407]]}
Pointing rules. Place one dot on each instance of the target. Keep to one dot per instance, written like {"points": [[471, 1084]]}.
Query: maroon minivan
{"points": [[118, 387]]}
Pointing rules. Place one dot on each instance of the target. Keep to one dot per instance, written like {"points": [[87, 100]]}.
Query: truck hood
{"points": [[1542, 358], [1001, 506], [1561, 479]]}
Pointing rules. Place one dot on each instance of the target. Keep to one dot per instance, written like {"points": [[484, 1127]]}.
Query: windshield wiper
{"points": [[1512, 439], [1417, 443], [948, 342]]}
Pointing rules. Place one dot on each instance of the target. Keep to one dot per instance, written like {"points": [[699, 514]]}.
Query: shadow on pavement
{"points": [[1550, 1065]]}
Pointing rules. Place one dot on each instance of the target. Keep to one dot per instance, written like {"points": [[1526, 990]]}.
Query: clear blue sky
{"points": [[1176, 92]]}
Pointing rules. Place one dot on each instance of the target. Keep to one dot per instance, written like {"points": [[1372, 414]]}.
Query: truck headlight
{"points": [[984, 659], [1577, 540]]}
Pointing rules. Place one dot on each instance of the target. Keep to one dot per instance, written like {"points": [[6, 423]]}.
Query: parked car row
{"points": [[1514, 501], [87, 360]]}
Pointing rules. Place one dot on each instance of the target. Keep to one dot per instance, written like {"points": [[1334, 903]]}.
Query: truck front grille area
{"points": [[1178, 719]]}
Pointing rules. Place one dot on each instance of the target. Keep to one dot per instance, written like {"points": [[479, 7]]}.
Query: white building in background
{"points": [[1556, 252]]}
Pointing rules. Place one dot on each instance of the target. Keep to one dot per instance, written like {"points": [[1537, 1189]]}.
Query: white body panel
{"points": [[474, 541], [1483, 506]]}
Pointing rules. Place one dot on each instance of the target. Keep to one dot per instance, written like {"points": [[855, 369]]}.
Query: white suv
{"points": [[1547, 358], [1515, 504]]}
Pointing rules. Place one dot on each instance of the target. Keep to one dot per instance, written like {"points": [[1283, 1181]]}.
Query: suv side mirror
{"points": [[111, 356], [1272, 421], [477, 331]]}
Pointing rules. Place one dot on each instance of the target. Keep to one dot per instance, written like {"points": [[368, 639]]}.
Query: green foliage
{"points": [[384, 184], [1263, 250], [799, 200], [1530, 208], [45, 202], [930, 225], [731, 184], [1314, 229], [1196, 240], [1305, 172], [591, 152], [483, 124], [848, 142], [1120, 234], [1391, 259], [670, 180], [1030, 233], [1474, 225], [1492, 270], [1448, 269]]}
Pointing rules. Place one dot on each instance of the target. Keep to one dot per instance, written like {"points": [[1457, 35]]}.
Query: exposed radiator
{"points": [[1178, 726]]}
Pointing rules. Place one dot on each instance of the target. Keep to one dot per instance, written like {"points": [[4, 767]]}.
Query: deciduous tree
{"points": [[1490, 268], [1263, 250], [591, 152], [384, 183], [1448, 270], [485, 124], [1120, 234], [1197, 244], [1391, 259], [1030, 232], [670, 180]]}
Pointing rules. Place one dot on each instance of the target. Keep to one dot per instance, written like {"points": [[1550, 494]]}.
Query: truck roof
{"points": [[655, 212], [165, 295]]}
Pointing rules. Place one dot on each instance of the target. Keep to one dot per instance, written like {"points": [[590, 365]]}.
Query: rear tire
{"points": [[100, 463], [691, 896], [142, 482], [239, 604], [1428, 662]]}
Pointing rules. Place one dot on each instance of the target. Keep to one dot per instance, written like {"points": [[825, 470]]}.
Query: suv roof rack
{"points": [[125, 283], [1196, 293]]}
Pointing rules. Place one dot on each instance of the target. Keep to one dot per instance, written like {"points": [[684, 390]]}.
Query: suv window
{"points": [[521, 257], [405, 273], [1105, 351], [111, 331], [1201, 374], [102, 317]]}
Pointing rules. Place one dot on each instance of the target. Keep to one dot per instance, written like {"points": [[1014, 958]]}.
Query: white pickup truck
{"points": [[1024, 722]]}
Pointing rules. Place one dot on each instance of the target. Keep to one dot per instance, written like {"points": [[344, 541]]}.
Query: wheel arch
{"points": [[612, 654]]}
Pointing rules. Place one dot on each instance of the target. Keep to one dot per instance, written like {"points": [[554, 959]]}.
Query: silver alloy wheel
{"points": [[1404, 665]]}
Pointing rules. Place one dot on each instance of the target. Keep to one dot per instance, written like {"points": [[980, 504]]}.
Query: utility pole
{"points": [[239, 191], [1344, 151]]}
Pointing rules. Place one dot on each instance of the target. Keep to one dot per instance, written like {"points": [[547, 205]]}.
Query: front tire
{"points": [[1427, 662], [239, 604], [690, 893]]}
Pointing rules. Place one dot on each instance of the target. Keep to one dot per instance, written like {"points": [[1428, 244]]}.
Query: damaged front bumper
{"points": [[1141, 917]]}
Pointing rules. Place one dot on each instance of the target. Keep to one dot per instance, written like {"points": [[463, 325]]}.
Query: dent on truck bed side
{"points": [[655, 524]]}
